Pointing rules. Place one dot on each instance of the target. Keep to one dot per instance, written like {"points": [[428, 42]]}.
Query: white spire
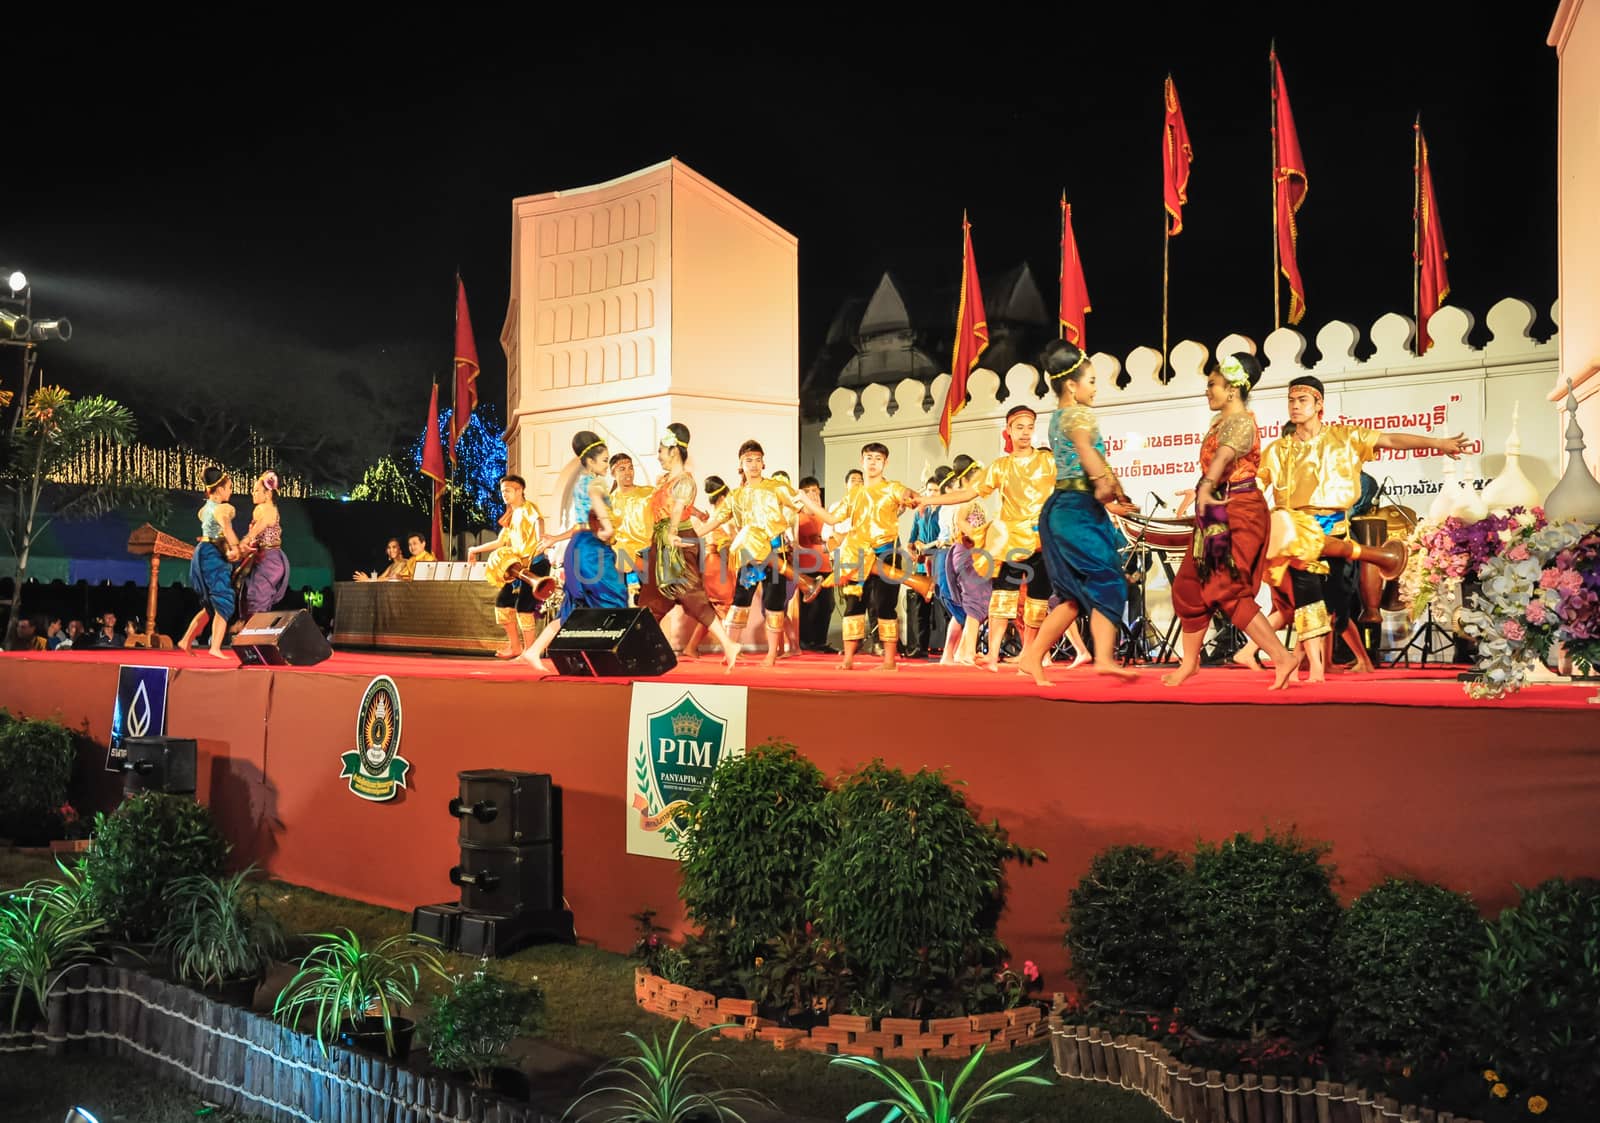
{"points": [[1512, 487]]}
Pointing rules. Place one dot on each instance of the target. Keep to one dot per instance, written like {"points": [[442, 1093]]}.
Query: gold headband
{"points": [[716, 492], [1069, 370], [592, 445], [965, 472]]}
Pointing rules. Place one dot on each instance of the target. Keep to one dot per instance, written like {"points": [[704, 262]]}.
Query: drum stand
{"points": [[1422, 638], [1142, 637]]}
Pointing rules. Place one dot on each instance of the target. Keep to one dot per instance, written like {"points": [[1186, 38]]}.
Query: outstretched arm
{"points": [[1450, 446]]}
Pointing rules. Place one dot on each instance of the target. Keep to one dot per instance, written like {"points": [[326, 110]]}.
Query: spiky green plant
{"points": [[656, 1086], [926, 1100], [40, 937], [341, 980], [216, 930]]}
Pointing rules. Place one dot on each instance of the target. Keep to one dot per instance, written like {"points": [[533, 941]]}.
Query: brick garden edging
{"points": [[1194, 1095], [844, 1034]]}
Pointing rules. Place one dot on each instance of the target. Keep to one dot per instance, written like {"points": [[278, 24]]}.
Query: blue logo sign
{"points": [[140, 710]]}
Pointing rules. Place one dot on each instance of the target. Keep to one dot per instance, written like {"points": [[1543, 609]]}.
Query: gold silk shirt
{"points": [[521, 528], [874, 512], [1024, 481], [1322, 475], [761, 511], [408, 567], [630, 519]]}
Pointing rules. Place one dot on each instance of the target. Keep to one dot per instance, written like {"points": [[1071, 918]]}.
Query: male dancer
{"points": [[524, 579], [630, 519], [865, 571], [1009, 553], [1313, 473]]}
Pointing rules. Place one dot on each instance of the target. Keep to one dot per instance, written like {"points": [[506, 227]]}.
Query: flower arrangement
{"points": [[1541, 586], [1457, 551]]}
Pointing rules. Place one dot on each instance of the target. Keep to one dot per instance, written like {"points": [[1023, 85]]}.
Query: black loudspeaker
{"points": [[159, 764], [509, 879], [499, 808], [612, 643], [275, 638], [489, 934], [438, 922]]}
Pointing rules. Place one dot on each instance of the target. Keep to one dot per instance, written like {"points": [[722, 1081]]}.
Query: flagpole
{"points": [[1272, 105], [1061, 325], [455, 422], [1166, 247], [1416, 230]]}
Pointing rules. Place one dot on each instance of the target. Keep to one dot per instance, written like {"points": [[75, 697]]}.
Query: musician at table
{"points": [[211, 567], [672, 574], [589, 577], [396, 568], [266, 568], [517, 568], [1079, 542], [1009, 554], [1222, 571], [1313, 472]]}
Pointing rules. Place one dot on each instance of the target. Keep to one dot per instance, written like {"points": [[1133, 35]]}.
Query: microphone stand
{"points": [[1138, 561]]}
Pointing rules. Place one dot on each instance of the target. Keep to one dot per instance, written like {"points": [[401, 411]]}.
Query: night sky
{"points": [[258, 230]]}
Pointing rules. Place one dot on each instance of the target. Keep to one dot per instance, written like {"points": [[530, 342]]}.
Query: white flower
{"points": [[1525, 518], [1506, 535]]}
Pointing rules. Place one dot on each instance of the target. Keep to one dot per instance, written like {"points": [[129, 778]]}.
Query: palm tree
{"points": [[54, 429]]}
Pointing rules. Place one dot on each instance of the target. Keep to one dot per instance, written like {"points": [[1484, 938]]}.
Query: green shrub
{"points": [[1538, 1001], [36, 759], [912, 883], [1405, 966], [1262, 914], [470, 1025], [759, 831], [150, 841], [1125, 926], [215, 930]]}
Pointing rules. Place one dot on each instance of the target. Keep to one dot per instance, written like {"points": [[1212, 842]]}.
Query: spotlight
{"points": [[18, 280], [80, 1115], [51, 329], [15, 324]]}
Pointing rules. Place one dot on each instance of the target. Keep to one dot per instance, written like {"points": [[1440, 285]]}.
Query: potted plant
{"points": [[354, 991], [470, 1025], [926, 1100], [36, 759], [655, 1086], [217, 936], [150, 841], [43, 932]]}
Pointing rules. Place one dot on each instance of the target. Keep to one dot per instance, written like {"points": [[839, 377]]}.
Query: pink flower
{"points": [[1512, 630], [1550, 579], [1536, 612], [1030, 970], [1519, 552], [1570, 581]]}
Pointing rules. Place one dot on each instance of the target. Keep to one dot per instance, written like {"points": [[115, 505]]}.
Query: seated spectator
{"points": [[30, 636], [133, 633], [397, 565], [56, 636], [107, 635]]}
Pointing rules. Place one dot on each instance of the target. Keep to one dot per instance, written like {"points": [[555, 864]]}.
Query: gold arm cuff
{"points": [[1312, 621], [1003, 604], [1034, 612], [855, 628], [889, 630]]}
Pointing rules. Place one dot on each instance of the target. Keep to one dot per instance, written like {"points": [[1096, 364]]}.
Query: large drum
{"points": [[1172, 537]]}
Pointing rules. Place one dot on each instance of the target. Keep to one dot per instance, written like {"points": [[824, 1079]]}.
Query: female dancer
{"points": [[1079, 542], [211, 569], [673, 575], [714, 570], [266, 569], [589, 577], [1223, 570]]}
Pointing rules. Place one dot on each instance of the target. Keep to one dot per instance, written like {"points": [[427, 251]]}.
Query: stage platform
{"points": [[1401, 771]]}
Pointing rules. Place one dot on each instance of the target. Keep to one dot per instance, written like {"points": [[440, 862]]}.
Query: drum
{"points": [[1170, 536], [1370, 530]]}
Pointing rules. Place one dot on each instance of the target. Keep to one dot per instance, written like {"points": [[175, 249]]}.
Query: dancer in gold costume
{"points": [[516, 566]]}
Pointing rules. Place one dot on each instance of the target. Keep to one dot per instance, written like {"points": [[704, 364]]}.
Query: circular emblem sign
{"points": [[376, 770]]}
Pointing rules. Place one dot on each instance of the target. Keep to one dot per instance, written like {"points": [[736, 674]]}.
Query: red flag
{"points": [[466, 398], [1074, 292], [1291, 189], [1432, 284], [433, 468], [972, 335], [1178, 154]]}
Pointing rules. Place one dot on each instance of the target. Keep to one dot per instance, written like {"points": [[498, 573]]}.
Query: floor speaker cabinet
{"points": [[500, 808], [159, 764], [275, 639], [612, 643], [441, 923], [491, 934], [509, 879]]}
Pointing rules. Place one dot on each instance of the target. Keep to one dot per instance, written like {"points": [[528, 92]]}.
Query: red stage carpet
{"points": [[1401, 772]]}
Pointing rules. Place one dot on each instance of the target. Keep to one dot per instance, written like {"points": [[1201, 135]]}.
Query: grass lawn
{"points": [[590, 1005]]}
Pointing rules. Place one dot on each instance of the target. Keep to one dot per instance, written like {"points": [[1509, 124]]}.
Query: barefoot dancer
{"points": [[1223, 569], [630, 514], [1080, 544], [517, 567], [589, 576], [267, 569], [673, 574], [211, 568], [865, 570], [714, 572]]}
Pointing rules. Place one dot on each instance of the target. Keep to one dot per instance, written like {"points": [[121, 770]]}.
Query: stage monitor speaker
{"points": [[278, 638], [509, 879], [490, 934], [438, 922], [500, 808], [159, 764], [612, 643]]}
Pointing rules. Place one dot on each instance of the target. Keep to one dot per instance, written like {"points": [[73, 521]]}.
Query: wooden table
{"points": [[446, 617]]}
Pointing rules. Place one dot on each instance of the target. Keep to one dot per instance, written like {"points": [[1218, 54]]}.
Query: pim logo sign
{"points": [[139, 711]]}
